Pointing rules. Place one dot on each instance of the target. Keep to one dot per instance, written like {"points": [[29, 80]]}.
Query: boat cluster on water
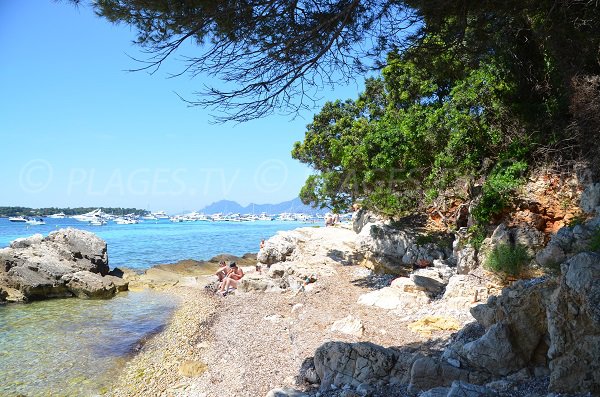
{"points": [[100, 218]]}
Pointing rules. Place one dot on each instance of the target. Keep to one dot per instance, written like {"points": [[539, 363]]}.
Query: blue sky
{"points": [[76, 129]]}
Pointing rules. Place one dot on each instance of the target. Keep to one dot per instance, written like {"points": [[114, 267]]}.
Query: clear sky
{"points": [[77, 129]]}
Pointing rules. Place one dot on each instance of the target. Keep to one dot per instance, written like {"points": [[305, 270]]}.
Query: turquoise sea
{"points": [[73, 347]]}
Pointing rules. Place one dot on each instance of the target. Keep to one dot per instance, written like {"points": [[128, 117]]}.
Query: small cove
{"points": [[75, 347]]}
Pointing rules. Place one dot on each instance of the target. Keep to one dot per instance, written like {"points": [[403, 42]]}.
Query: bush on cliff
{"points": [[507, 259]]}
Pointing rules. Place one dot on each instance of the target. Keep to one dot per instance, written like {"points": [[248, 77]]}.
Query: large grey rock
{"points": [[539, 323], [568, 241], [339, 364], [516, 328], [87, 250], [466, 260], [590, 198], [493, 352], [528, 237], [363, 217], [428, 372], [88, 285], [277, 248], [36, 268], [574, 327], [389, 250]]}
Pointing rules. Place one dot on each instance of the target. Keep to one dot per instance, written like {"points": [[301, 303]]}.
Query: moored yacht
{"points": [[89, 216], [160, 215], [59, 215], [17, 219]]}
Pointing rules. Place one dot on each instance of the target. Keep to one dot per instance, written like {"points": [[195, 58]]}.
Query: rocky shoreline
{"points": [[373, 310], [320, 321]]}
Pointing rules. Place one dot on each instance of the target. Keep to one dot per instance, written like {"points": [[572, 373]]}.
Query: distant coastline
{"points": [[6, 212]]}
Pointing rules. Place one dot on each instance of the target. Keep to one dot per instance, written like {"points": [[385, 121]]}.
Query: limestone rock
{"points": [[493, 352], [88, 250], [428, 372], [338, 364], [362, 217], [528, 237], [35, 267], [120, 284], [516, 328], [389, 250], [464, 290], [26, 242], [568, 241], [574, 327], [88, 285], [463, 389], [590, 198], [277, 248], [348, 325], [466, 260], [285, 392], [390, 298]]}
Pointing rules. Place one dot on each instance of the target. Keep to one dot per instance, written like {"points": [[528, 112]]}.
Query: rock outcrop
{"points": [[338, 364], [567, 242], [538, 326], [389, 250], [574, 327], [296, 259], [68, 262]]}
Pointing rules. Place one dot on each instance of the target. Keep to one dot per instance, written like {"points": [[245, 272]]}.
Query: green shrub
{"points": [[498, 189], [507, 259], [477, 234]]}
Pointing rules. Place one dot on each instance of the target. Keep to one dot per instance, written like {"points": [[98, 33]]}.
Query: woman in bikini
{"points": [[232, 280]]}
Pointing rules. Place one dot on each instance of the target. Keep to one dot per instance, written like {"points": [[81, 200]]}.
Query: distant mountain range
{"points": [[228, 206]]}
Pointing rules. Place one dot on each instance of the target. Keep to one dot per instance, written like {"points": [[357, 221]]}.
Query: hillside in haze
{"points": [[228, 206]]}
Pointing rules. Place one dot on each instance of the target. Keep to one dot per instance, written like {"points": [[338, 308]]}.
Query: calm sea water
{"points": [[73, 347], [149, 243]]}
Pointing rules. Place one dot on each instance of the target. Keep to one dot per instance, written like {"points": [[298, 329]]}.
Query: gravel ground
{"points": [[157, 369], [247, 344], [258, 341]]}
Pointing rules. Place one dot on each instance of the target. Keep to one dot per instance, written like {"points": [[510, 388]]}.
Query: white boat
{"points": [[88, 217], [160, 215], [34, 221], [264, 217], [98, 222], [60, 215], [150, 217], [17, 219], [129, 219], [126, 221]]}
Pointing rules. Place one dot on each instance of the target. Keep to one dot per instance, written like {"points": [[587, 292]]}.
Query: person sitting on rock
{"points": [[232, 280], [222, 272]]}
